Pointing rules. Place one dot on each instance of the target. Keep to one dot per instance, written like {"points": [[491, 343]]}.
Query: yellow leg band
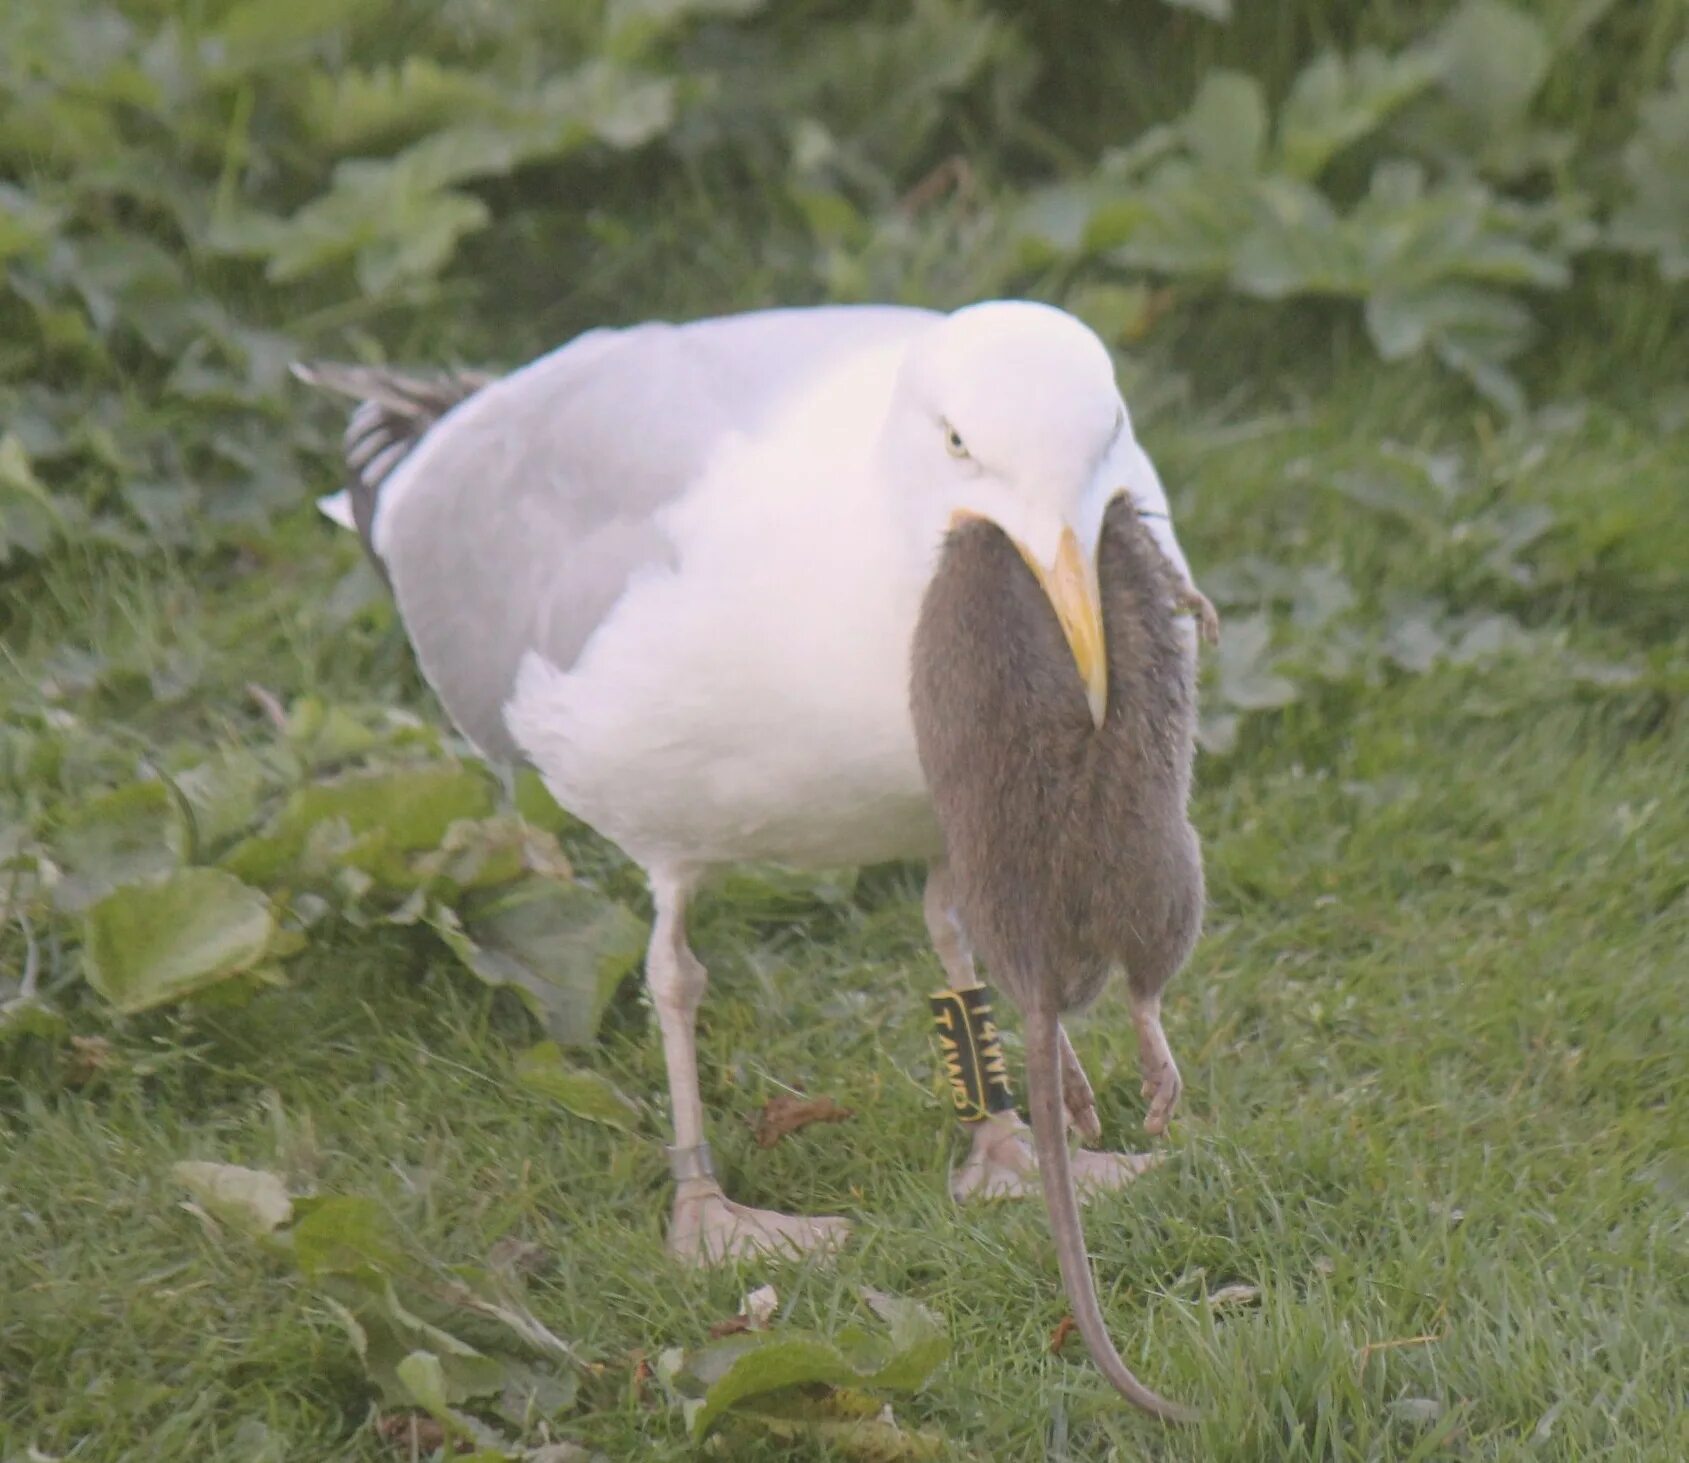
{"points": [[972, 1052]]}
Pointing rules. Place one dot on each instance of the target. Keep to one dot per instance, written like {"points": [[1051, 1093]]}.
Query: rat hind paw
{"points": [[1162, 1083], [1080, 1100], [1001, 1165], [1162, 1087]]}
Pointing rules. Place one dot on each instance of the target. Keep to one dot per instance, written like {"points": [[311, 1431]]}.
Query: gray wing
{"points": [[395, 411], [521, 515]]}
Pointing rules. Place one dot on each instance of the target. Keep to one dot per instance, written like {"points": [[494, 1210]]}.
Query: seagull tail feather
{"points": [[394, 412]]}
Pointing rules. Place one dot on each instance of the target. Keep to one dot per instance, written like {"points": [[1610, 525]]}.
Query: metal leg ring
{"points": [[691, 1163]]}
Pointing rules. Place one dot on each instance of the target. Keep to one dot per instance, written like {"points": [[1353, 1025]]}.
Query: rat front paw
{"points": [[1207, 617]]}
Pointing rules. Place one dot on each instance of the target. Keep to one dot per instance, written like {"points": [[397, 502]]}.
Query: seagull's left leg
{"points": [[1000, 1162], [707, 1227]]}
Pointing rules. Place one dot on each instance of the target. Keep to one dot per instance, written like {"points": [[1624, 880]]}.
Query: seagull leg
{"points": [[706, 1228], [1000, 1162]]}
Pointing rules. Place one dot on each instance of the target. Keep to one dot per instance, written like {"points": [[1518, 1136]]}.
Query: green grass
{"points": [[1434, 1038]]}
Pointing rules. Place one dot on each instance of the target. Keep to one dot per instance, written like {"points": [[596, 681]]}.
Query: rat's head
{"points": [[1008, 411]]}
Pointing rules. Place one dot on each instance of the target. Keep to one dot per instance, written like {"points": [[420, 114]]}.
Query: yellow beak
{"points": [[1070, 583]]}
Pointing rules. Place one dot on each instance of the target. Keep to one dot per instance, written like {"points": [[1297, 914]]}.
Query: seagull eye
{"points": [[953, 441]]}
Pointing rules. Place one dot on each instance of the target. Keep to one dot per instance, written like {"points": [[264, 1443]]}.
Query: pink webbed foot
{"points": [[708, 1228]]}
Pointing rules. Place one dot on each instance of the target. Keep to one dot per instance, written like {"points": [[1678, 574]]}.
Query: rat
{"points": [[1070, 849]]}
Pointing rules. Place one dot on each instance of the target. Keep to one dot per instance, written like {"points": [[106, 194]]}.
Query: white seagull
{"points": [[677, 569]]}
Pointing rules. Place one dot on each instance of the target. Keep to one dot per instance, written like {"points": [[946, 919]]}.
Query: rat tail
{"points": [[1044, 1095]]}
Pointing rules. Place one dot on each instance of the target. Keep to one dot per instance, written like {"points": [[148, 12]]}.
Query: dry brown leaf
{"points": [[755, 1312], [1064, 1328], [417, 1435], [515, 1256], [784, 1113], [760, 1305], [267, 702], [88, 1056]]}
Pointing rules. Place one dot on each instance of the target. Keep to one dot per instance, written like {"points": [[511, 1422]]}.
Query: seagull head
{"points": [[1008, 411]]}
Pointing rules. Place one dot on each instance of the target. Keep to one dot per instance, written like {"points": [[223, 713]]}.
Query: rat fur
{"points": [[1070, 850]]}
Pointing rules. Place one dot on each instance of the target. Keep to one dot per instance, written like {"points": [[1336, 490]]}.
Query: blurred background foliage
{"points": [[1486, 197], [195, 193]]}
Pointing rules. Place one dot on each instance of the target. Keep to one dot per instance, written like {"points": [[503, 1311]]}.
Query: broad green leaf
{"points": [[1415, 643], [246, 232], [421, 246], [356, 110], [1402, 322], [757, 1363], [562, 948], [651, 18], [346, 1234], [380, 216], [385, 1331], [1182, 220], [399, 219], [1485, 371], [918, 1343], [1487, 637], [452, 155], [1296, 246], [1226, 126], [476, 853], [1336, 101], [1217, 733], [536, 806], [586, 1094], [1243, 674], [127, 280], [254, 31], [1117, 312], [1474, 331], [1051, 222], [25, 222], [223, 793], [30, 520], [619, 107], [1493, 58], [768, 892], [1390, 492], [29, 1015], [871, 1439], [144, 945], [754, 1363], [425, 1380], [375, 818], [1655, 218], [254, 1442], [393, 1304], [251, 1199], [323, 734], [1220, 10]]}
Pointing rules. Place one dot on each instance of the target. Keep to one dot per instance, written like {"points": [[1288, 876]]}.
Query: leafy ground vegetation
{"points": [[330, 1124]]}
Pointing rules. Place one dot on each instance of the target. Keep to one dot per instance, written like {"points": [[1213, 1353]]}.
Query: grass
{"points": [[1434, 1039]]}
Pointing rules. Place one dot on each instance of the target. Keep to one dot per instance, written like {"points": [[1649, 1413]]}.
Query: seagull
{"points": [[677, 569]]}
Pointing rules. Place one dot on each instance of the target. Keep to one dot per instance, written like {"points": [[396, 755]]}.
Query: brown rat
{"points": [[1069, 847]]}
